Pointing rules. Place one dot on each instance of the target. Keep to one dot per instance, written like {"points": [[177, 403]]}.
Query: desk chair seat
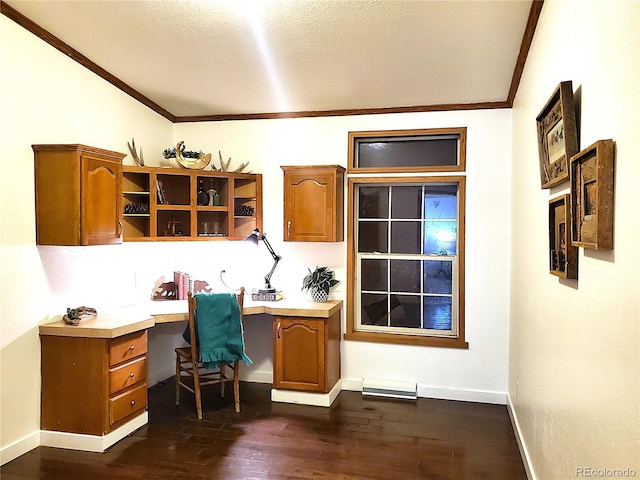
{"points": [[193, 373]]}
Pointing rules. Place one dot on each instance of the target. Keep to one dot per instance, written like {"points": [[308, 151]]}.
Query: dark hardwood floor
{"points": [[356, 438]]}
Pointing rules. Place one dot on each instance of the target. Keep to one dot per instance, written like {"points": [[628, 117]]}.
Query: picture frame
{"points": [[563, 256], [592, 196], [557, 135]]}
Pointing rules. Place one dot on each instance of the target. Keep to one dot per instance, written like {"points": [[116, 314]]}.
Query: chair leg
{"points": [[236, 386], [177, 379], [223, 372], [196, 388]]}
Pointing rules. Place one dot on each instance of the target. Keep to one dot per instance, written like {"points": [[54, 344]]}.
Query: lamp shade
{"points": [[254, 237]]}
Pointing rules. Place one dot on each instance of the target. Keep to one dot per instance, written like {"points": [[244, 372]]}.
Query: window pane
{"points": [[405, 276], [373, 202], [407, 152], [374, 274], [372, 237], [441, 204], [408, 315], [374, 309], [437, 313], [405, 237], [440, 238], [406, 202], [437, 277]]}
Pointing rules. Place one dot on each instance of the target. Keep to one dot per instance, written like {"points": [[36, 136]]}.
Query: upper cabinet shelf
{"points": [[314, 203], [190, 204], [79, 195]]}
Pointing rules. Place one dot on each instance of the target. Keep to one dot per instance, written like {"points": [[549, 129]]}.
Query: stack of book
{"points": [[183, 284]]}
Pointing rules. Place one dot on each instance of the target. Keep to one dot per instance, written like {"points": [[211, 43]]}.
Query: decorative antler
{"points": [[134, 154]]}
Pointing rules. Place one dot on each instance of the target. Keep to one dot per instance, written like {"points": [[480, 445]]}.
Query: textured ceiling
{"points": [[232, 57]]}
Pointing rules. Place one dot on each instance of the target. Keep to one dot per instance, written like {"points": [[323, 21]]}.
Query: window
{"points": [[406, 254]]}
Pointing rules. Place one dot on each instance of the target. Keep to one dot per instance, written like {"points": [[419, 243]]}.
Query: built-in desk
{"points": [[94, 374]]}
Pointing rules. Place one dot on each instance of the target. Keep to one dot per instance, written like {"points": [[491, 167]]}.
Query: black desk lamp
{"points": [[253, 238]]}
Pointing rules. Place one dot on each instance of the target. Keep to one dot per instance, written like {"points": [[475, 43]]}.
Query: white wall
{"points": [[574, 378], [479, 373], [47, 98]]}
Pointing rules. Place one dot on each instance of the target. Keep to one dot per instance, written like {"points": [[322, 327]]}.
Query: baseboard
{"points": [[445, 393], [91, 443], [522, 446], [442, 393], [19, 447], [306, 398]]}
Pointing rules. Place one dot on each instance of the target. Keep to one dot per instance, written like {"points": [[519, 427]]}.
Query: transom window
{"points": [[406, 260]]}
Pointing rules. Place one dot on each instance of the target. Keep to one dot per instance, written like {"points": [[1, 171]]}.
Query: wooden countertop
{"points": [[145, 315]]}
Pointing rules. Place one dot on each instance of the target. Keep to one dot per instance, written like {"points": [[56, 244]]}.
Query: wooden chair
{"points": [[188, 364]]}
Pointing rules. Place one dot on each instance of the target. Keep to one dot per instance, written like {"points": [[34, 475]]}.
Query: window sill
{"points": [[418, 340]]}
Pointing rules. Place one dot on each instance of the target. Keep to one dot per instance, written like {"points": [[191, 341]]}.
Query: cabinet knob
{"points": [[278, 330], [131, 375], [133, 402], [289, 228], [132, 347]]}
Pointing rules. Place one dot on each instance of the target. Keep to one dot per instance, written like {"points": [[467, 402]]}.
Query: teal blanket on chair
{"points": [[219, 327]]}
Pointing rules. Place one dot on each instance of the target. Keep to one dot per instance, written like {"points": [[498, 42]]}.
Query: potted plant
{"points": [[318, 282]]}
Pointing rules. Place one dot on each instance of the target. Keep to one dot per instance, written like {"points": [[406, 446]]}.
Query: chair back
{"points": [[193, 331]]}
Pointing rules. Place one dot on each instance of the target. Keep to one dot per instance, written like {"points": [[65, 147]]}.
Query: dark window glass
{"points": [[374, 274], [406, 202], [436, 151], [372, 237], [405, 276], [408, 313], [374, 308], [373, 202], [437, 313], [437, 277], [405, 237]]}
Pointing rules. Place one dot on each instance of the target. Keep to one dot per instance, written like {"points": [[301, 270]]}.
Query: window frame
{"points": [[403, 175], [431, 132]]}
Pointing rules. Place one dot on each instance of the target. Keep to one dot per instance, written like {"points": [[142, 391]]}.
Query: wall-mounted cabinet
{"points": [[78, 195], [314, 203], [174, 204]]}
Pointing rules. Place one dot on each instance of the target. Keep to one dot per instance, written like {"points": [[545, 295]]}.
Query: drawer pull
{"points": [[133, 402], [289, 228], [131, 375], [132, 347]]}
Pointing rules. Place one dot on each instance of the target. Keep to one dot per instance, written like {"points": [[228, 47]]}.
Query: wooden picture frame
{"points": [[592, 196], [563, 256], [557, 136]]}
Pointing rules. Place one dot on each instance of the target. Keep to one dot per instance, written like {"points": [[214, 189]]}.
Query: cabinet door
{"points": [[299, 356], [313, 203], [101, 192]]}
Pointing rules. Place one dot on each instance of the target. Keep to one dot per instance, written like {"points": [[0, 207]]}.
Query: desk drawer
{"points": [[127, 403], [126, 375], [127, 347]]}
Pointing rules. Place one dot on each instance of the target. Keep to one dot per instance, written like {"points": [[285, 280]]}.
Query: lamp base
{"points": [[266, 296]]}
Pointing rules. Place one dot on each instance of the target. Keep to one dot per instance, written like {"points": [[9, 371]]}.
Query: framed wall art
{"points": [[557, 136], [592, 196], [563, 256]]}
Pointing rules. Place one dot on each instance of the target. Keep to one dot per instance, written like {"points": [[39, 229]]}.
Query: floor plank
{"points": [[357, 438]]}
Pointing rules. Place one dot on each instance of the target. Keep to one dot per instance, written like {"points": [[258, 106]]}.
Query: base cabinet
{"points": [[92, 385], [306, 353]]}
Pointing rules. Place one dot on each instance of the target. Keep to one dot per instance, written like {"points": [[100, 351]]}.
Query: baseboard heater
{"points": [[389, 389]]}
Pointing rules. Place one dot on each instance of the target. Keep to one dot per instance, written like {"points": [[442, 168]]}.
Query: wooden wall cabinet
{"points": [[78, 195], [92, 385], [314, 203], [162, 204], [306, 353]]}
